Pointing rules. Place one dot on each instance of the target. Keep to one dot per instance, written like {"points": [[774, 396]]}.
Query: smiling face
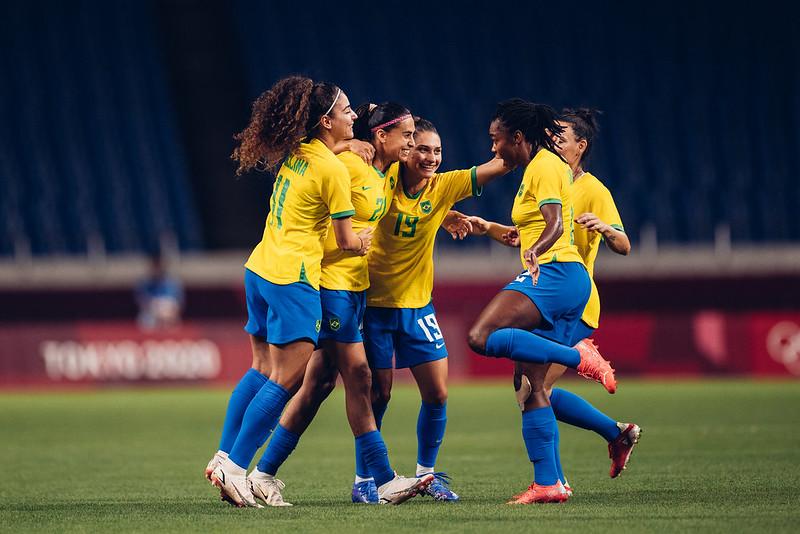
{"points": [[340, 119], [426, 156], [569, 146], [396, 143]]}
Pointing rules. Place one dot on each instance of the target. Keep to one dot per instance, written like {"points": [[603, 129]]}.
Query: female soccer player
{"points": [[296, 122], [598, 220], [389, 128], [400, 320], [534, 317]]}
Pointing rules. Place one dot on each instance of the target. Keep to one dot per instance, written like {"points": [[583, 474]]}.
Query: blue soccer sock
{"points": [[556, 445], [243, 393], [372, 449], [523, 346], [538, 430], [576, 411], [260, 418], [431, 424], [280, 447], [378, 411]]}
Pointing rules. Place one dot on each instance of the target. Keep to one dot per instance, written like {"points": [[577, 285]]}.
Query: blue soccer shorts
{"points": [[411, 335], [560, 294], [342, 315], [281, 314]]}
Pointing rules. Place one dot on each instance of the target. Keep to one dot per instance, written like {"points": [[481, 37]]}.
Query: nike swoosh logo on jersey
{"points": [[439, 345], [365, 187]]}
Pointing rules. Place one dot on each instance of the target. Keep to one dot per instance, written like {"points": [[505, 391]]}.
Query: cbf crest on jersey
{"points": [[391, 182], [426, 206]]}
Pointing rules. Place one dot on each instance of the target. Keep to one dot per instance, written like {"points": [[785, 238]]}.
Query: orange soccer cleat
{"points": [[594, 367], [541, 494], [621, 448]]}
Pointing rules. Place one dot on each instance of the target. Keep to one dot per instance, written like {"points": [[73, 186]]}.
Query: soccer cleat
{"points": [[439, 488], [541, 494], [620, 449], [568, 489], [400, 489], [594, 367], [365, 492], [524, 392], [267, 488], [233, 489], [214, 462]]}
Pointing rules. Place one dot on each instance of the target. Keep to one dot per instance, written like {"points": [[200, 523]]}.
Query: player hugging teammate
{"points": [[349, 240]]}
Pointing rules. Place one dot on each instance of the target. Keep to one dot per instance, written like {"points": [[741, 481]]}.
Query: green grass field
{"points": [[715, 455]]}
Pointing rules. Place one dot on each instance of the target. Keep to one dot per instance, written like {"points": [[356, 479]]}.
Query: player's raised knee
{"points": [[477, 339]]}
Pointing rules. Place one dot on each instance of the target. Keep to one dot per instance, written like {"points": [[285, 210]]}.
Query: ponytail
{"points": [[584, 122]]}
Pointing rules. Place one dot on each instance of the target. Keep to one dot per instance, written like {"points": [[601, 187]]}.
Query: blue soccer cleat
{"points": [[365, 492], [439, 488]]}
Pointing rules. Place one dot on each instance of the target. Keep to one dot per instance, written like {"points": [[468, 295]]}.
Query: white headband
{"points": [[338, 92]]}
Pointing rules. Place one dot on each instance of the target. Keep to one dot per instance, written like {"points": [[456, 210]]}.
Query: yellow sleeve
{"points": [[335, 190], [546, 185], [458, 185], [607, 211]]}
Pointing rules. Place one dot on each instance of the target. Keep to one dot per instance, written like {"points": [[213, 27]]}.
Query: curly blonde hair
{"points": [[282, 117]]}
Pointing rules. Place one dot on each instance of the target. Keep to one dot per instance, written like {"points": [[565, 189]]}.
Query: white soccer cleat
{"points": [[400, 489], [219, 456], [233, 488], [267, 488]]}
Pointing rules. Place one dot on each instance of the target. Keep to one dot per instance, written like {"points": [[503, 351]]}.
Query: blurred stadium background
{"points": [[117, 124]]}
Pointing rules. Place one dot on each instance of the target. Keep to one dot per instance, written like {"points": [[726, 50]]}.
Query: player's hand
{"points": [[366, 240], [511, 238], [361, 149], [480, 226], [592, 222], [508, 168], [457, 225], [533, 265]]}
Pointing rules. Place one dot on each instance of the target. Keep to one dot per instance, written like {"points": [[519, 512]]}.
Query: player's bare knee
{"points": [[362, 374], [323, 389], [437, 396], [477, 338], [383, 393]]}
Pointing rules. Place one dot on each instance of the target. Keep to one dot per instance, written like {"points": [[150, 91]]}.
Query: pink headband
{"points": [[389, 123]]}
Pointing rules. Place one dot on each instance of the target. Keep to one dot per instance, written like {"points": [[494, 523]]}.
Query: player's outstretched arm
{"points": [[616, 240], [459, 225], [494, 168]]}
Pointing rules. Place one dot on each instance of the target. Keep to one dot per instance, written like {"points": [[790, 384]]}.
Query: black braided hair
{"points": [[537, 122]]}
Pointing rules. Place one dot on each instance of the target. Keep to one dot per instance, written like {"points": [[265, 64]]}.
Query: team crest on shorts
{"points": [[426, 206], [318, 325], [334, 323]]}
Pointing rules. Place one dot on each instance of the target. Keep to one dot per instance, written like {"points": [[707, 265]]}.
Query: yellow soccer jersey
{"points": [[371, 192], [590, 195], [401, 258], [312, 187], [547, 180]]}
